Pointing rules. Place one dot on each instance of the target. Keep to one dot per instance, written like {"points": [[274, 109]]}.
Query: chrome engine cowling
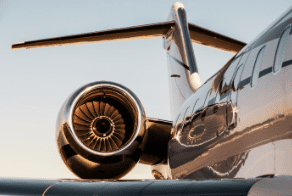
{"points": [[101, 131]]}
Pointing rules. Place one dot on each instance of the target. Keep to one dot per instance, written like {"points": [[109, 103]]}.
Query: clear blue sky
{"points": [[36, 82]]}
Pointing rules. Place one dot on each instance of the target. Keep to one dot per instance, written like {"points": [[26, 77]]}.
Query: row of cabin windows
{"points": [[228, 76], [278, 60]]}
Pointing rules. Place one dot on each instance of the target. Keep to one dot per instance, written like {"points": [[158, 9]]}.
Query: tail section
{"points": [[178, 36], [184, 78]]}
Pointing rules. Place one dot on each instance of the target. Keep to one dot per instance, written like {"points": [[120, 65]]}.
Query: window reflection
{"points": [[257, 67], [281, 49], [237, 77]]}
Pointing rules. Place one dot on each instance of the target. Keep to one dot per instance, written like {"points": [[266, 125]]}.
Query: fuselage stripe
{"points": [[265, 72], [223, 95], [244, 82], [286, 63], [212, 101], [179, 62]]}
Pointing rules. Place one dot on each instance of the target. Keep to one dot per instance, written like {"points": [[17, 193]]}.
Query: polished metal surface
{"points": [[101, 90], [246, 131], [181, 60], [100, 130], [158, 136]]}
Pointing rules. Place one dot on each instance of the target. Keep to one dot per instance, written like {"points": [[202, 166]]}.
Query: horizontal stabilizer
{"points": [[209, 38], [136, 32], [198, 35]]}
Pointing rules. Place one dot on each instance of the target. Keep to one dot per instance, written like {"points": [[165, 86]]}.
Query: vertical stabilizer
{"points": [[184, 79]]}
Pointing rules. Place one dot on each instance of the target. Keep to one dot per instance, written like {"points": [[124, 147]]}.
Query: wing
{"points": [[257, 186]]}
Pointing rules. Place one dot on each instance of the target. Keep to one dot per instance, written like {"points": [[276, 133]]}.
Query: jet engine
{"points": [[102, 132]]}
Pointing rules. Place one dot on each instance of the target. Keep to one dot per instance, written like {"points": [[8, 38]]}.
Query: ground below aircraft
{"points": [[232, 133]]}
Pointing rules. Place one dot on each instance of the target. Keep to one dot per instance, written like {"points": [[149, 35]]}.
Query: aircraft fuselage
{"points": [[238, 123]]}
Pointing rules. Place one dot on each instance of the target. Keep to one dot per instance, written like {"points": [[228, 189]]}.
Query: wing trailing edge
{"points": [[198, 35]]}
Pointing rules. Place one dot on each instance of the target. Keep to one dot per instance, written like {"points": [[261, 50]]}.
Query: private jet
{"points": [[228, 136]]}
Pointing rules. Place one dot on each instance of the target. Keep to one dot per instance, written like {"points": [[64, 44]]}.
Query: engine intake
{"points": [[100, 125], [101, 131]]}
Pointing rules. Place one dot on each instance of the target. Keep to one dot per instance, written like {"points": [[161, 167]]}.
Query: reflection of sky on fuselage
{"points": [[36, 82]]}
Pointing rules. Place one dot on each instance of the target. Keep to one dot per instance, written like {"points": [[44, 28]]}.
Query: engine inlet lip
{"points": [[85, 90]]}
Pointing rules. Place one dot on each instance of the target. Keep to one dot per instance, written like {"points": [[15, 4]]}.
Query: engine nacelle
{"points": [[101, 131]]}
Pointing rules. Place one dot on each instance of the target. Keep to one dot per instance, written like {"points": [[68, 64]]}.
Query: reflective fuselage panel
{"points": [[239, 123]]}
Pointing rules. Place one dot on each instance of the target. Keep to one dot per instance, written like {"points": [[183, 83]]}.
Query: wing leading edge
{"points": [[139, 188], [198, 35]]}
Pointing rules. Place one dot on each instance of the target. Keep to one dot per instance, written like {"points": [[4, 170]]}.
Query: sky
{"points": [[34, 83]]}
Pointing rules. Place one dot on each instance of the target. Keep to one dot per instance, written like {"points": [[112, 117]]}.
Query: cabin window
{"points": [[212, 98], [186, 116], [177, 119], [179, 124], [237, 77], [257, 66], [228, 75], [206, 99], [281, 50], [195, 106]]}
